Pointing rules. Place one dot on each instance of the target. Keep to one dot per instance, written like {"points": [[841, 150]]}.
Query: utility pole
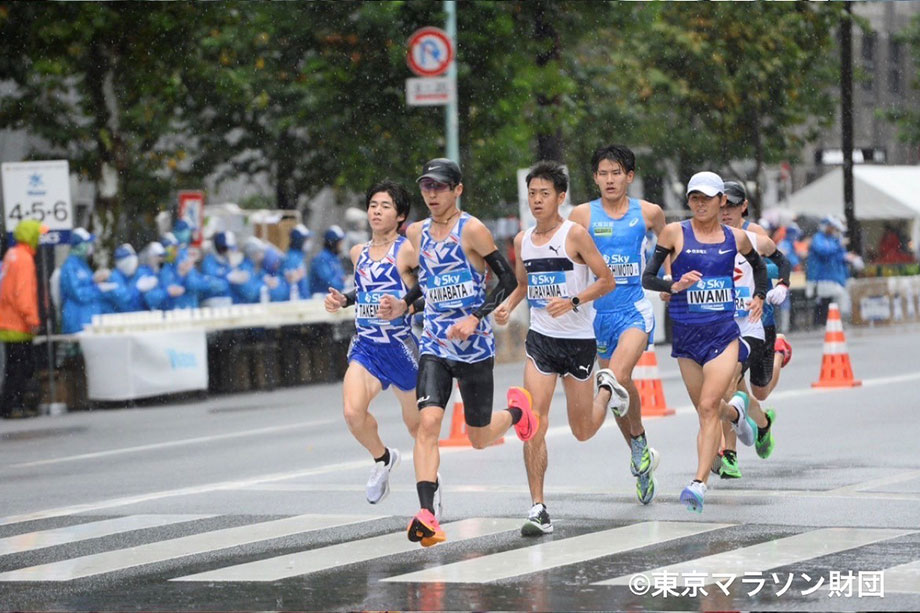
{"points": [[846, 123], [451, 123]]}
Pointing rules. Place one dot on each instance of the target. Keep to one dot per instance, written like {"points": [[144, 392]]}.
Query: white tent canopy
{"points": [[879, 193]]}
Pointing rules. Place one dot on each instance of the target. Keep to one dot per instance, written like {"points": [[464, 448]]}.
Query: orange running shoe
{"points": [[519, 398], [782, 347], [425, 529]]}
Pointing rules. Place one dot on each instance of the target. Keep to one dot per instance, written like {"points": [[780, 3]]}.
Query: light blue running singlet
{"points": [[620, 242]]}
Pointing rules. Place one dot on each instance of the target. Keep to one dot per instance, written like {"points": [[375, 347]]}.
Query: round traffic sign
{"points": [[430, 52]]}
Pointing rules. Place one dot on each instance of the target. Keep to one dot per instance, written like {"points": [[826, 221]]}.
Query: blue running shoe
{"points": [[692, 496]]}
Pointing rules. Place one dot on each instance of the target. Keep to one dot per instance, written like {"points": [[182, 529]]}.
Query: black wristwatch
{"points": [[575, 302]]}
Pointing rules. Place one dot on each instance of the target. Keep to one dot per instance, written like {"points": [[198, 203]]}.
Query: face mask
{"points": [[183, 236], [235, 258], [127, 265], [307, 246], [82, 251]]}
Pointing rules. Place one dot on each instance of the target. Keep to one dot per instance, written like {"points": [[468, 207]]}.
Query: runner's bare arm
{"points": [[654, 217], [587, 251], [503, 312], [581, 215]]}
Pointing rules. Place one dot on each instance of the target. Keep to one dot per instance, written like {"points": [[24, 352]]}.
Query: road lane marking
{"points": [[877, 483], [323, 558], [770, 554], [554, 554], [30, 541], [121, 559], [904, 578], [178, 443]]}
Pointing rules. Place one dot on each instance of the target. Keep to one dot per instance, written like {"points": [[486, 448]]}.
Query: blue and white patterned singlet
{"points": [[453, 289], [374, 279]]}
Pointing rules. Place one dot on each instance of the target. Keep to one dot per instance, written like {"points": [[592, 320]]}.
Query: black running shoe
{"points": [[538, 522]]}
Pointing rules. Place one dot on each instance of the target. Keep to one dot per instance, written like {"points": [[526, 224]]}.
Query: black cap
{"points": [[442, 170], [734, 193]]}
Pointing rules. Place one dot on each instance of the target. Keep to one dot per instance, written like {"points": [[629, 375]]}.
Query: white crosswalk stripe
{"points": [[325, 558], [161, 551], [772, 554], [904, 578], [557, 553], [81, 532], [503, 556]]}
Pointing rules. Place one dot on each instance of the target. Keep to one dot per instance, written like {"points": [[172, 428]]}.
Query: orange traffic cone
{"points": [[458, 436], [836, 370], [648, 382]]}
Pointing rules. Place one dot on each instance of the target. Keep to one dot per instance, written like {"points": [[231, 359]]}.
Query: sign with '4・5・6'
{"points": [[39, 191]]}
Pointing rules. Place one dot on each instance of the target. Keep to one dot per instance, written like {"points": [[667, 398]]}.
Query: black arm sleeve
{"points": [[650, 279], [418, 306], [507, 283], [413, 294], [350, 297], [761, 280], [785, 268]]}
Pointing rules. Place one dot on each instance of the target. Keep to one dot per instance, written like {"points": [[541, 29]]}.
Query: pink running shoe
{"points": [[782, 347], [519, 398]]}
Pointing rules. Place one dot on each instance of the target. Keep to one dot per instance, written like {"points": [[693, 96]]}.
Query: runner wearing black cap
{"points": [[760, 335], [457, 342]]}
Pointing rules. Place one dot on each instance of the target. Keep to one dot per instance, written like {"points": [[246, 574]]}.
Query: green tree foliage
{"points": [[312, 94], [908, 119], [100, 83], [706, 84]]}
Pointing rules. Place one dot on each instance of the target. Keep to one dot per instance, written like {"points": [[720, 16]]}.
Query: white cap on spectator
{"points": [[706, 182]]}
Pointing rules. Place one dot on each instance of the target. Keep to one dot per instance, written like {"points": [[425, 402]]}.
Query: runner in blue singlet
{"points": [[454, 249], [702, 307], [383, 352], [624, 323]]}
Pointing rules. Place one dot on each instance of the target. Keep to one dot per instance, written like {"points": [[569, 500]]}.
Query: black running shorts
{"points": [[561, 356], [436, 378], [760, 360]]}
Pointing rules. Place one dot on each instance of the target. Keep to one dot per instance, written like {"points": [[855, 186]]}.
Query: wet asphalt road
{"points": [[169, 506]]}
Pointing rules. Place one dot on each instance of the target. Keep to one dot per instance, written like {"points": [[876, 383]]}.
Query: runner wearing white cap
{"points": [[706, 338]]}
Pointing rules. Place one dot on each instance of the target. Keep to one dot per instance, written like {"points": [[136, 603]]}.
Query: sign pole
{"points": [[451, 126], [49, 322]]}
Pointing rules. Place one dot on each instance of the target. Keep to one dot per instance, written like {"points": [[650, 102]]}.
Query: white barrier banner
{"points": [[144, 364]]}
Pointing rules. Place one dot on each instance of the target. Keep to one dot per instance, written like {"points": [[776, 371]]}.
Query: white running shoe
{"points": [[619, 397], [378, 484], [744, 427]]}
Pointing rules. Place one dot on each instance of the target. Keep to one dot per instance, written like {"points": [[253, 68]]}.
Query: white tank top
{"points": [[744, 291], [550, 273]]}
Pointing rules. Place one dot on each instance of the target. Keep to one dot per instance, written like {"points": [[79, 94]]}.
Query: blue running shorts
{"points": [[609, 325], [394, 362], [703, 342]]}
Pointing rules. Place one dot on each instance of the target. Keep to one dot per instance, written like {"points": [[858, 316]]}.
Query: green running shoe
{"points": [[730, 468], [764, 444]]}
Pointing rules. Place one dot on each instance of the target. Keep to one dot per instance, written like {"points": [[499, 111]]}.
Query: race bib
{"points": [[742, 302], [712, 295], [543, 286], [451, 290], [624, 268], [366, 304]]}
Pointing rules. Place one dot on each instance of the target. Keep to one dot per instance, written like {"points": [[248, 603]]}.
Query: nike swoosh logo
{"points": [[724, 252]]}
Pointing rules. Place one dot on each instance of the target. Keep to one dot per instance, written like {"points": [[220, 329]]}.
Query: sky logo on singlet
{"points": [[452, 290], [542, 286], [715, 294]]}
